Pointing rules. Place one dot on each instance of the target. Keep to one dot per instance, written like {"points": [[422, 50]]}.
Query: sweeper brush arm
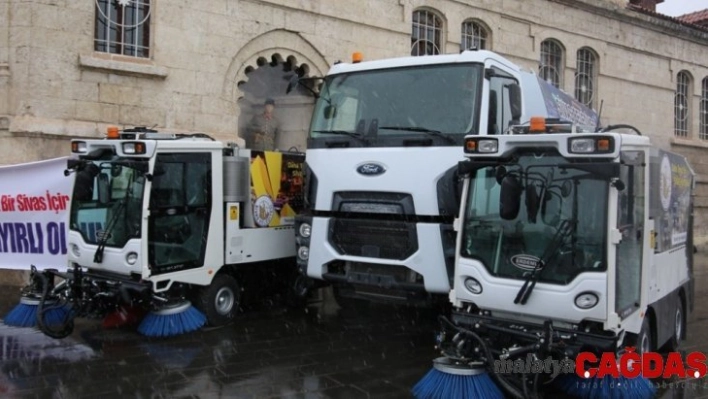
{"points": [[488, 357], [64, 327]]}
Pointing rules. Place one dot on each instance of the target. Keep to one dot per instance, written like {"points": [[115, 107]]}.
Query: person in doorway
{"points": [[264, 128]]}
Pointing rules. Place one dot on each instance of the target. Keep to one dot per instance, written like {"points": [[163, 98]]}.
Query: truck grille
{"points": [[373, 238]]}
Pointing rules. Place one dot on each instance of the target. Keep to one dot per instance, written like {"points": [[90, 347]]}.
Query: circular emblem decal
{"points": [[370, 169], [525, 262], [263, 210], [665, 183]]}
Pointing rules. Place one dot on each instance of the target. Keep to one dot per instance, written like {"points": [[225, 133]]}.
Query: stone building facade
{"points": [[70, 68]]}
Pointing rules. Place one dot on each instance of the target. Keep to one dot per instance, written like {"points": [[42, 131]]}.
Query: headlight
{"points": [[473, 285], [584, 146], [474, 145], [586, 300], [134, 148], [303, 253], [131, 258], [591, 145], [78, 146], [305, 230], [488, 146]]}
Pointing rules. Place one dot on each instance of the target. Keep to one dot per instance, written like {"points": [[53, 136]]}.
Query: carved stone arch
{"points": [[281, 54], [277, 43]]}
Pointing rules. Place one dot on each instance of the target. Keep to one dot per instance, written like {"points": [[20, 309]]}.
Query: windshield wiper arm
{"points": [[565, 228], [355, 135], [98, 256], [429, 132]]}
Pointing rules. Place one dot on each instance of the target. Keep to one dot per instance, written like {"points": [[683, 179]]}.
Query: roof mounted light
{"points": [[112, 132], [537, 124], [357, 57]]}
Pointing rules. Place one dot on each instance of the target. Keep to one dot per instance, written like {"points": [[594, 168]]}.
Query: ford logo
{"points": [[525, 262], [371, 169]]}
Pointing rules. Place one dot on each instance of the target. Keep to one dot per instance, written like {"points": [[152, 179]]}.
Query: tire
{"points": [[645, 341], [679, 322], [297, 293], [220, 300]]}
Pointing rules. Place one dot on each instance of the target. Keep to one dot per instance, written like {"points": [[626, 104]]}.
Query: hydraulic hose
{"points": [[67, 326], [508, 387]]}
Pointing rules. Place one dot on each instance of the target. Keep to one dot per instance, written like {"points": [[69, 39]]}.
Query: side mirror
{"points": [[618, 184], [330, 111], [83, 185], [515, 101], [104, 193], [510, 198]]}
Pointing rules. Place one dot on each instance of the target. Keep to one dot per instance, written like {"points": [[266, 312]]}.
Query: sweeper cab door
{"points": [[630, 240], [180, 209]]}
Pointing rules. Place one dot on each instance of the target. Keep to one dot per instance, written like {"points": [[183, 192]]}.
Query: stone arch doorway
{"points": [[268, 79]]}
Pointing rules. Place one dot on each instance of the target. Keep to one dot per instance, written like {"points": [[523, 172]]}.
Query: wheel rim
{"points": [[679, 324], [224, 301]]}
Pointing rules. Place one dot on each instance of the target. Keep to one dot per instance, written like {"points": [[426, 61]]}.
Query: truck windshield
{"points": [[107, 200], [561, 219], [391, 107]]}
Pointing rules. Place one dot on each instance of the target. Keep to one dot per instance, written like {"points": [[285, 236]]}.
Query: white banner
{"points": [[34, 211]]}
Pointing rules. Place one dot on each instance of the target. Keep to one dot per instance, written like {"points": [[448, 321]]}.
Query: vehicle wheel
{"points": [[679, 323], [644, 342], [297, 293], [220, 300]]}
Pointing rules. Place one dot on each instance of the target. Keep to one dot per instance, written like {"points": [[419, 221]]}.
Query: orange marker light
{"points": [[537, 124], [357, 57], [603, 145], [74, 146], [139, 148], [471, 145], [112, 132]]}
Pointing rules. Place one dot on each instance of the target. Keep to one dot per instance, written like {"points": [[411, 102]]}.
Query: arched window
{"points": [[426, 38], [586, 77], [552, 60], [474, 36], [704, 110], [681, 104], [123, 27]]}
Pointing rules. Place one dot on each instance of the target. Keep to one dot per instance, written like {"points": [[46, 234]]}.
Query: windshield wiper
{"points": [[355, 135], [429, 132], [565, 229], [98, 256]]}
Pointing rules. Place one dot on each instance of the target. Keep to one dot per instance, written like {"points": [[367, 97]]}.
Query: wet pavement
{"points": [[271, 351]]}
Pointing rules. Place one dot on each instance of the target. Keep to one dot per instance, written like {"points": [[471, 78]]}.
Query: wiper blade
{"points": [[355, 135], [429, 132], [98, 256], [564, 230]]}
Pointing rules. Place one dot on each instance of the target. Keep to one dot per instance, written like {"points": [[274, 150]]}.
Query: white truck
{"points": [[163, 220], [382, 187], [571, 239]]}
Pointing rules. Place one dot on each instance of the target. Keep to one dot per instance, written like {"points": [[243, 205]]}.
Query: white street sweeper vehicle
{"points": [[571, 240], [168, 222], [382, 188]]}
